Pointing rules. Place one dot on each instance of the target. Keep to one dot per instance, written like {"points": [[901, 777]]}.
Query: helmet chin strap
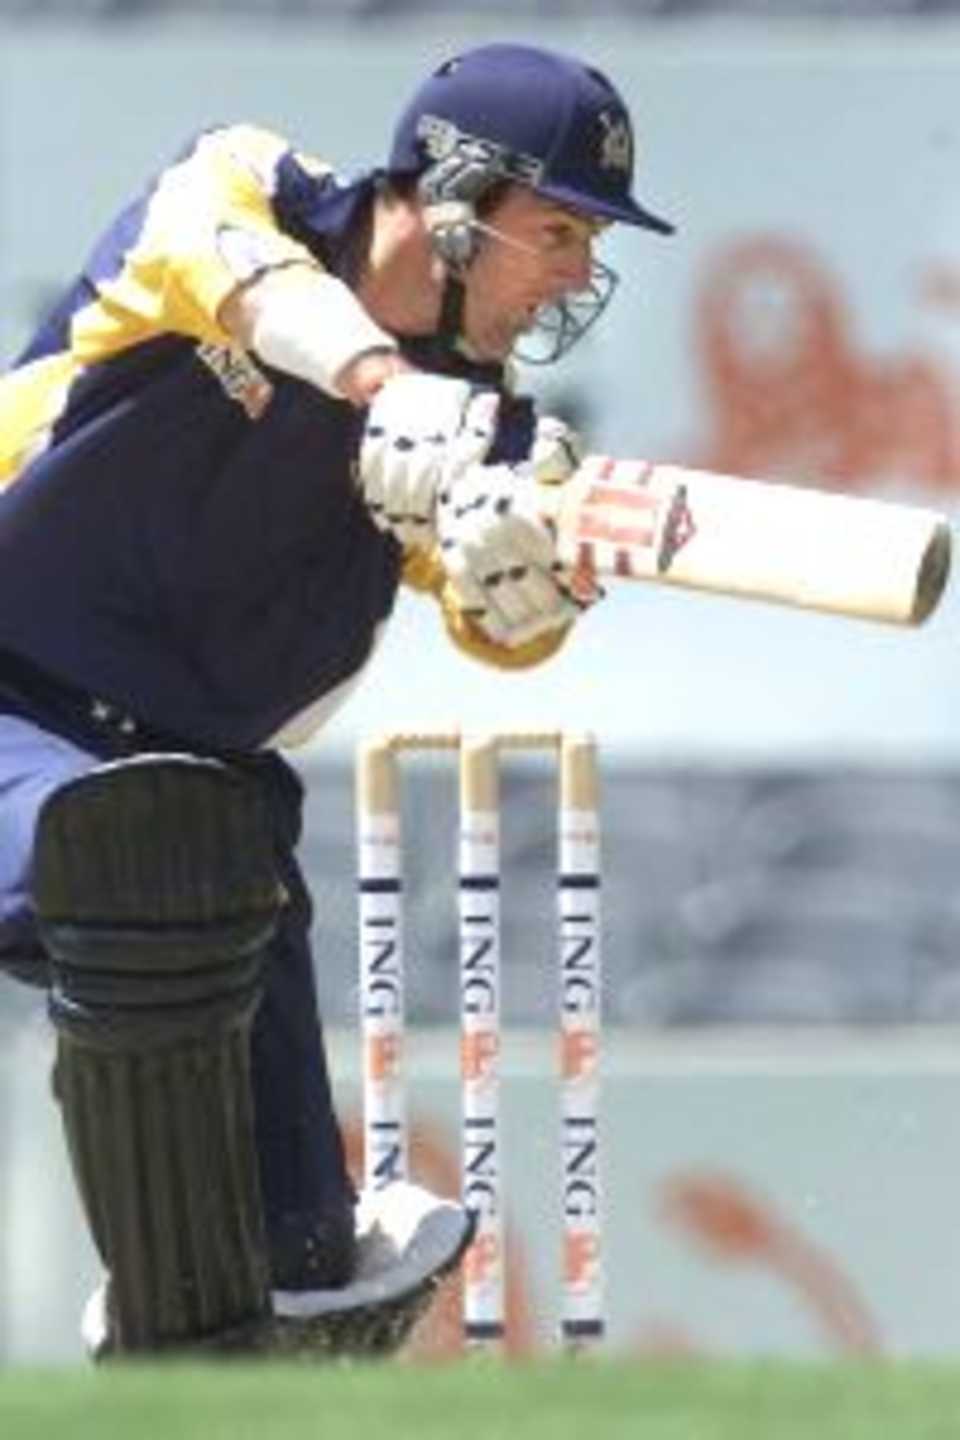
{"points": [[447, 349], [452, 306], [449, 190], [451, 227]]}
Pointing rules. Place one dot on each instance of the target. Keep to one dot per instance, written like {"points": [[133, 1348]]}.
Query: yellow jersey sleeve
{"points": [[164, 267], [206, 228]]}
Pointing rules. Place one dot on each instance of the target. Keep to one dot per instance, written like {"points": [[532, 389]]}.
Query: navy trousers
{"points": [[303, 1173]]}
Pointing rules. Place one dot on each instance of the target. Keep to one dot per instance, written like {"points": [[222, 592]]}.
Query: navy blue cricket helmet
{"points": [[533, 116]]}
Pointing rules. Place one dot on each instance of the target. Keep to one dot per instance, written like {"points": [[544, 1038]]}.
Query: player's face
{"points": [[532, 253]]}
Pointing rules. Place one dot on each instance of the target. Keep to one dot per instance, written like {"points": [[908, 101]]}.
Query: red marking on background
{"points": [[720, 1213], [735, 1225], [939, 285], [789, 393]]}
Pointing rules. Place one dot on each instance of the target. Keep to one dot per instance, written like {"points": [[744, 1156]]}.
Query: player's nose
{"points": [[575, 271]]}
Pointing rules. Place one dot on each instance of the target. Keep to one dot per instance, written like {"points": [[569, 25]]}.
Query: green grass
{"points": [[553, 1400]]}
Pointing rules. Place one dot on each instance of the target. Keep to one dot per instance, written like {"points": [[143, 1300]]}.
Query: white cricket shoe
{"points": [[408, 1241], [95, 1324]]}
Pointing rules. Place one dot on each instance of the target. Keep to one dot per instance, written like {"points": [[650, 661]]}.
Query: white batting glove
{"points": [[422, 433], [500, 553]]}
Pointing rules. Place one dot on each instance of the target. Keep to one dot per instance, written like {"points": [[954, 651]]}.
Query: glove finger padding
{"points": [[490, 516], [422, 432], [474, 439], [512, 609], [527, 601], [500, 554]]}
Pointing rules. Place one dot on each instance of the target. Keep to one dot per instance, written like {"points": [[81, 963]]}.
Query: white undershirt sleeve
{"points": [[315, 329]]}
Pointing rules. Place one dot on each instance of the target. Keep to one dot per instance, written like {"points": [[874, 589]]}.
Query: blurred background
{"points": [[781, 791]]}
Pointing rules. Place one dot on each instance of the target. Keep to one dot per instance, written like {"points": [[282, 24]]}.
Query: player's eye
{"points": [[561, 236]]}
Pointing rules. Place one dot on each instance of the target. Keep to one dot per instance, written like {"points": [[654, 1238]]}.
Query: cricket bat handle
{"points": [[763, 540]]}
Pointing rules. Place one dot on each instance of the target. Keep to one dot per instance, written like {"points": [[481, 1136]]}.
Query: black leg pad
{"points": [[156, 894]]}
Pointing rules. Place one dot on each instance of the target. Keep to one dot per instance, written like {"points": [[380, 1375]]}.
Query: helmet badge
{"points": [[615, 146]]}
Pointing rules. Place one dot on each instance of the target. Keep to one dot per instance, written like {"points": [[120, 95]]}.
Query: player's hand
{"points": [[422, 433], [498, 550]]}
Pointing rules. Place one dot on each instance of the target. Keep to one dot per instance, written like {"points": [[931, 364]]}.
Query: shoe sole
{"points": [[437, 1247]]}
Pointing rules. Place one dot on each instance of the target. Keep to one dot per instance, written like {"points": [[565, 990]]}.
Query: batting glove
{"points": [[499, 551], [422, 433]]}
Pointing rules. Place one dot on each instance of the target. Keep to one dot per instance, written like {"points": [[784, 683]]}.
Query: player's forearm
{"points": [[307, 323]]}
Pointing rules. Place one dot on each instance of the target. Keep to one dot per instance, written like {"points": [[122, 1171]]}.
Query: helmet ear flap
{"points": [[448, 191], [451, 229]]}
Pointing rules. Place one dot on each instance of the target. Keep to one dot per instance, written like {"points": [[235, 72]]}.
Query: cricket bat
{"points": [[820, 550]]}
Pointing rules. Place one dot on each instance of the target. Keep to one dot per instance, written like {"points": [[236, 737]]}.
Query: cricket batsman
{"points": [[271, 397]]}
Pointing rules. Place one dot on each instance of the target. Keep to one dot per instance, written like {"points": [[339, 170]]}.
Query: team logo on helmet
{"points": [[616, 148]]}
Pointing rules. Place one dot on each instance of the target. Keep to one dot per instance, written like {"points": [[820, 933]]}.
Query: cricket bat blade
{"points": [[758, 539]]}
